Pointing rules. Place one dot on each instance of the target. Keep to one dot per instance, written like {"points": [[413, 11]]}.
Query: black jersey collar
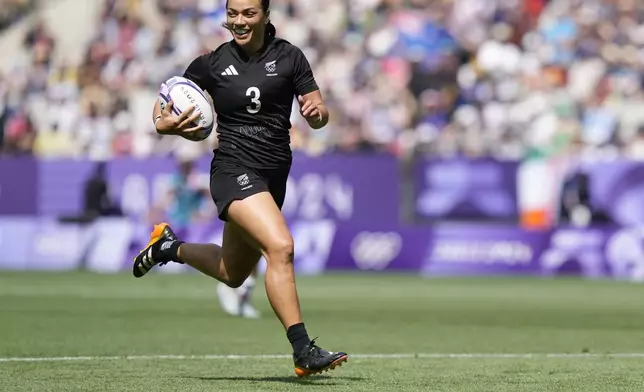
{"points": [[243, 56]]}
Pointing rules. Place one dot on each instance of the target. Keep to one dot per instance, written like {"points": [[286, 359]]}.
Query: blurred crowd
{"points": [[559, 80], [503, 78], [13, 10]]}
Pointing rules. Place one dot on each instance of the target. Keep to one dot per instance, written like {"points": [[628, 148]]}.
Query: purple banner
{"points": [[342, 212], [347, 188], [617, 189], [108, 245], [356, 188], [338, 187], [378, 249], [460, 189], [16, 242], [60, 186], [18, 186], [483, 249], [573, 251]]}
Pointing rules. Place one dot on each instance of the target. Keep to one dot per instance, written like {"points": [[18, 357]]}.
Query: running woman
{"points": [[252, 80]]}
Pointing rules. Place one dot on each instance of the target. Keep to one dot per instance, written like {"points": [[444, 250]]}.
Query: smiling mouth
{"points": [[241, 32]]}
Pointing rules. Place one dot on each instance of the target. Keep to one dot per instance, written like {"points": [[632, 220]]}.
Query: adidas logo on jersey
{"points": [[230, 71]]}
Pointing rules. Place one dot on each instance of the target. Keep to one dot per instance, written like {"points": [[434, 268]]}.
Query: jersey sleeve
{"points": [[198, 72], [303, 75]]}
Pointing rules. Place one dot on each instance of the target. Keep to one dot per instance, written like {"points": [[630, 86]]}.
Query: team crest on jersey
{"points": [[271, 67]]}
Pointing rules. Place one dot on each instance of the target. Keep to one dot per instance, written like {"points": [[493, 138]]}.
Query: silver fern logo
{"points": [[271, 66], [243, 180]]}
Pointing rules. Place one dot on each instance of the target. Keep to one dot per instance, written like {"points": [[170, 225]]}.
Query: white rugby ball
{"points": [[185, 93]]}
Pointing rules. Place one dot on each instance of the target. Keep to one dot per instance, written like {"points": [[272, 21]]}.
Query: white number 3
{"points": [[254, 93]]}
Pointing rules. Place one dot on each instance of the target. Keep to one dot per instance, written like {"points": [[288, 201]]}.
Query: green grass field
{"points": [[107, 318]]}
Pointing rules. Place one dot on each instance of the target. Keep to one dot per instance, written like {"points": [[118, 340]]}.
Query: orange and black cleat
{"points": [[163, 242], [314, 360]]}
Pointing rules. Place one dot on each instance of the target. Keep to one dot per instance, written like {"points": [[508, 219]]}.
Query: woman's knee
{"points": [[235, 281], [281, 249], [260, 218]]}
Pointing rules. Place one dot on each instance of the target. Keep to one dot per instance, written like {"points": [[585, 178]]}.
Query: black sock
{"points": [[298, 337], [171, 252]]}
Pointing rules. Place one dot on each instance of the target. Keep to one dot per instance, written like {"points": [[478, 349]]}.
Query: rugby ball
{"points": [[185, 93]]}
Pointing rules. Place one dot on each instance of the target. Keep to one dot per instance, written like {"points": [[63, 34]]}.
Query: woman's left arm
{"points": [[313, 109]]}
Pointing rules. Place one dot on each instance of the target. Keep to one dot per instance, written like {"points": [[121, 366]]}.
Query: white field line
{"points": [[351, 356]]}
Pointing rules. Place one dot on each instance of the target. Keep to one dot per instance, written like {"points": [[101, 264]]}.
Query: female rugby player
{"points": [[252, 80]]}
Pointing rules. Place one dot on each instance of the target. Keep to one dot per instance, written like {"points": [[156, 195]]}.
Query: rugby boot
{"points": [[314, 360], [158, 250]]}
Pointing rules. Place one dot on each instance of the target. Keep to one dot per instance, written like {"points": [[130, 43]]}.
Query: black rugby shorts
{"points": [[230, 181]]}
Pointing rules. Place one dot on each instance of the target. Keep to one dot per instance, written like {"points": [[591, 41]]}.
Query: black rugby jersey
{"points": [[253, 98]]}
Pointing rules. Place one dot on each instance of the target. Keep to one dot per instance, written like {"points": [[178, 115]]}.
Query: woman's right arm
{"points": [[156, 112], [165, 121], [168, 124]]}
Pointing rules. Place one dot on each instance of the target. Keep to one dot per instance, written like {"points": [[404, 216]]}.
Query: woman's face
{"points": [[246, 20]]}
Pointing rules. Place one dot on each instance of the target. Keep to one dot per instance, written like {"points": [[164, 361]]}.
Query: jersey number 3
{"points": [[256, 104]]}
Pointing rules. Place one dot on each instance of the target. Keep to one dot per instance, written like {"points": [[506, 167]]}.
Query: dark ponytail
{"points": [[271, 31]]}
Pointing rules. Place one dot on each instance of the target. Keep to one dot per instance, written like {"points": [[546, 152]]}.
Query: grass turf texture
{"points": [[78, 314]]}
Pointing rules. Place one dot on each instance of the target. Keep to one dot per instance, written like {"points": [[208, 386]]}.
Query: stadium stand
{"points": [[503, 78]]}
